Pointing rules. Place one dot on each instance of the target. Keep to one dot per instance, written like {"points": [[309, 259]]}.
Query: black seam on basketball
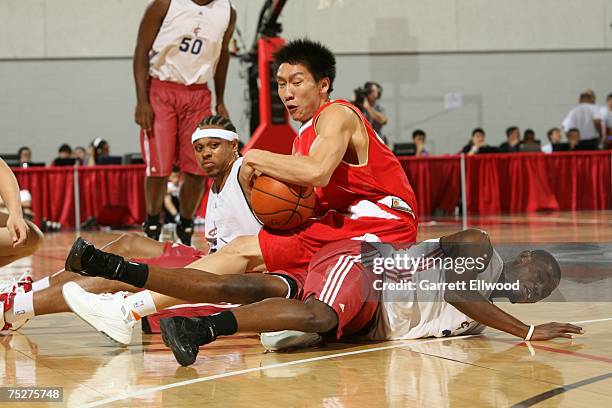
{"points": [[280, 198]]}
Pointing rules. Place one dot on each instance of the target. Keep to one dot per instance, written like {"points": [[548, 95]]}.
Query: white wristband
{"points": [[530, 332]]}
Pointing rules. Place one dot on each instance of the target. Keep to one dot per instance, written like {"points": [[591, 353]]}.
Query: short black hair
{"points": [[65, 148], [553, 268], [418, 132], [551, 131], [478, 130], [217, 120], [609, 97], [574, 130], [22, 149], [510, 130], [319, 60]]}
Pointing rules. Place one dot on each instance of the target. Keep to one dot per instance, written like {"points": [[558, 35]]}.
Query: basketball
{"points": [[280, 205]]}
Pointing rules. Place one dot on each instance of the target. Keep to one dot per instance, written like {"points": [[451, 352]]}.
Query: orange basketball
{"points": [[280, 205]]}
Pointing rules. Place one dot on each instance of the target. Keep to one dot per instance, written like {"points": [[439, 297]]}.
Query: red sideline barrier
{"points": [[496, 183]]}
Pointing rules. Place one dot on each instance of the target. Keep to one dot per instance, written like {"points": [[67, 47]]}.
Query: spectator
{"points": [[586, 118], [607, 123], [418, 138], [64, 154], [171, 200], [98, 149], [25, 156], [573, 138], [511, 145], [80, 154], [554, 137], [476, 142], [374, 113]]}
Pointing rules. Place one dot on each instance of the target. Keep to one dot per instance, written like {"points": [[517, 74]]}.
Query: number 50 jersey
{"points": [[188, 45]]}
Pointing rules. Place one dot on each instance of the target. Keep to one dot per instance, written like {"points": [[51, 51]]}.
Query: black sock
{"points": [[224, 323], [186, 222], [135, 274], [152, 219]]}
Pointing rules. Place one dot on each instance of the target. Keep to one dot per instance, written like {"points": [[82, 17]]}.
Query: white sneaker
{"points": [[288, 339], [107, 313]]}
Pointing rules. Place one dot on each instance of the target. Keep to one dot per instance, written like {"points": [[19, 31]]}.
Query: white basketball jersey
{"points": [[228, 214], [413, 314], [187, 47]]}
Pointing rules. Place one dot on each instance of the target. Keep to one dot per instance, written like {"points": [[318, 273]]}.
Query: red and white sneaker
{"points": [[8, 291]]}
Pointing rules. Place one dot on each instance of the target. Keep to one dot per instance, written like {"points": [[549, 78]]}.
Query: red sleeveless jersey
{"points": [[381, 176]]}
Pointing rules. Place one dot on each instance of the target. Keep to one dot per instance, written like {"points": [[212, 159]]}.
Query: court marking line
{"points": [[309, 360], [536, 399], [261, 368]]}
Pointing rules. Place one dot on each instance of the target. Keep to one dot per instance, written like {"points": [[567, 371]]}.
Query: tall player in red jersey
{"points": [[363, 194]]}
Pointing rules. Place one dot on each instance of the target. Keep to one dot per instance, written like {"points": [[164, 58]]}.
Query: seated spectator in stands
{"points": [[171, 200], [554, 137], [586, 118], [476, 142], [418, 138], [513, 134], [64, 156], [573, 138], [25, 156], [99, 153], [606, 122], [529, 142], [80, 154]]}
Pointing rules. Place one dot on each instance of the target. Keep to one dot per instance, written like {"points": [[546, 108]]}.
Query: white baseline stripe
{"points": [[261, 368]]}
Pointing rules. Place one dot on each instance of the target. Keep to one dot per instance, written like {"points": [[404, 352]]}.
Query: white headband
{"points": [[218, 133]]}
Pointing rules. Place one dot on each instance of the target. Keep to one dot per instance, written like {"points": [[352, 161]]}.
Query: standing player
{"points": [[182, 44], [363, 192]]}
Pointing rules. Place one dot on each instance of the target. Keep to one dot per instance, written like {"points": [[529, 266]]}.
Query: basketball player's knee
{"points": [[124, 244], [320, 318]]}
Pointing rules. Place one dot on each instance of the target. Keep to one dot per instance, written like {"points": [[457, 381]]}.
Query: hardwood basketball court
{"points": [[493, 369]]}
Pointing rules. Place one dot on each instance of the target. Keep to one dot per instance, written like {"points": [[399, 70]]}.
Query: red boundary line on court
{"points": [[556, 350]]}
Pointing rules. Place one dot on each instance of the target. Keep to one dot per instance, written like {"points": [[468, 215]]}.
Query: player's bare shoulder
{"points": [[338, 116]]}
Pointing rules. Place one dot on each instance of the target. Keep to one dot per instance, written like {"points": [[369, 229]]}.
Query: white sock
{"points": [[23, 308], [142, 303], [40, 284]]}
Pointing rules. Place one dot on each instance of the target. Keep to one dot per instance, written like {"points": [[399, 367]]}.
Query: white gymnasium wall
{"points": [[65, 68]]}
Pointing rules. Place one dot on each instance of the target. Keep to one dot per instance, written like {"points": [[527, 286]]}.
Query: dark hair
{"points": [[368, 86], [573, 130], [22, 149], [217, 120], [418, 132], [65, 148], [510, 130], [554, 270], [609, 97], [319, 60], [478, 130], [551, 131]]}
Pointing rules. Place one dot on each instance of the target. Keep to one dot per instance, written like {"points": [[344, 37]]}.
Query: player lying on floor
{"points": [[340, 299], [215, 144]]}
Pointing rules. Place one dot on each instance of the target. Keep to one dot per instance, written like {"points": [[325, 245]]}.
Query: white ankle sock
{"points": [[40, 284], [23, 307], [142, 303]]}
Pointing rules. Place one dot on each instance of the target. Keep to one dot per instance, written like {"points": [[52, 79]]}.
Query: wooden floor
{"points": [[490, 370]]}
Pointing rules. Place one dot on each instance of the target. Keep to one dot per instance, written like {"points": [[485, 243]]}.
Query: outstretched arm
{"points": [[475, 243]]}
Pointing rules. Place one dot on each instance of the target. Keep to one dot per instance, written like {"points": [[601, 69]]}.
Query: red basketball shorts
{"points": [[339, 276], [178, 110]]}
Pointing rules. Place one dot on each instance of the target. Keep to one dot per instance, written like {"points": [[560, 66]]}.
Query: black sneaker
{"points": [[86, 260], [152, 231], [185, 335], [184, 230]]}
